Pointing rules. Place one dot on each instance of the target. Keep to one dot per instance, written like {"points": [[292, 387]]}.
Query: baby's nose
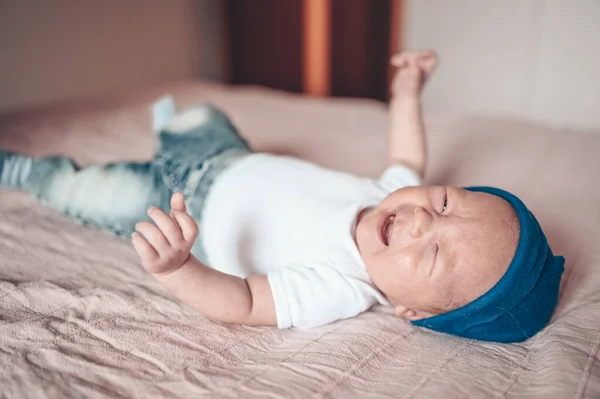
{"points": [[421, 222]]}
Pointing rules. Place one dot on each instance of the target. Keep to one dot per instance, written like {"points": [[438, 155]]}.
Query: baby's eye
{"points": [[445, 203]]}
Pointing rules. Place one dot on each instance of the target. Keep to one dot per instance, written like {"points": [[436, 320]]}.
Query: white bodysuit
{"points": [[293, 221]]}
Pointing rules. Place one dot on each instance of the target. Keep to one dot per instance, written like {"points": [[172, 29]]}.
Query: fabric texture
{"points": [[521, 303], [80, 317]]}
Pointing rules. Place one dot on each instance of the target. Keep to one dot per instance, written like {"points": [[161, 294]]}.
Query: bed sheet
{"points": [[79, 317]]}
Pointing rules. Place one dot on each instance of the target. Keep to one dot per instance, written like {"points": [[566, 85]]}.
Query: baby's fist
{"points": [[414, 68], [166, 246]]}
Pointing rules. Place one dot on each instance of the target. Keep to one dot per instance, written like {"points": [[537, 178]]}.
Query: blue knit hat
{"points": [[522, 302]]}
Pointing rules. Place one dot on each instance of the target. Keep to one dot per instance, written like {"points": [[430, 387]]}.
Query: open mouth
{"points": [[386, 229]]}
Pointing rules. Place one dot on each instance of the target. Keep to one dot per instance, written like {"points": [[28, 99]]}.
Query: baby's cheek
{"points": [[398, 272], [406, 258]]}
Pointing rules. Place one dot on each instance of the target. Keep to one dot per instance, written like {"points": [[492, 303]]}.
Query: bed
{"points": [[79, 317]]}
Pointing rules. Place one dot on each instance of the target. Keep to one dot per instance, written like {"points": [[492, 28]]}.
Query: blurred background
{"points": [[523, 59]]}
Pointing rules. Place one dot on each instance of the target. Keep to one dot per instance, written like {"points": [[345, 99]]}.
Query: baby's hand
{"points": [[166, 246], [414, 68]]}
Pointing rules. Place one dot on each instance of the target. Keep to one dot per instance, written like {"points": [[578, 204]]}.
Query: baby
{"points": [[260, 239]]}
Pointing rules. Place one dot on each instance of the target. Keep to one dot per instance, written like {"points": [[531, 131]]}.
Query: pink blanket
{"points": [[80, 317]]}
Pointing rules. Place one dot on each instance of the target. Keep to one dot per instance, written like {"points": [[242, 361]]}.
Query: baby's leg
{"points": [[113, 197]]}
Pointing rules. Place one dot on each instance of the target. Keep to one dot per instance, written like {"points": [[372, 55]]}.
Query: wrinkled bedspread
{"points": [[80, 317]]}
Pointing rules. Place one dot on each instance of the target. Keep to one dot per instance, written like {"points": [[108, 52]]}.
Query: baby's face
{"points": [[433, 249]]}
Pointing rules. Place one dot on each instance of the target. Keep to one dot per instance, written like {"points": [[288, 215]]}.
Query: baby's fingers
{"points": [[177, 203], [428, 61], [400, 60], [166, 224], [143, 248], [154, 236], [189, 227]]}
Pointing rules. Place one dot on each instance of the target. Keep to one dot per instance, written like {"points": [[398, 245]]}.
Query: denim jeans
{"points": [[193, 149]]}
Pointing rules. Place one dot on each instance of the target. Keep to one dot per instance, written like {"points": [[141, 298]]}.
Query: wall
{"points": [[532, 59], [62, 48]]}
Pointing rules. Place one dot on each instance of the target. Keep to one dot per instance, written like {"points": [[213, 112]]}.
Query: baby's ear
{"points": [[410, 314]]}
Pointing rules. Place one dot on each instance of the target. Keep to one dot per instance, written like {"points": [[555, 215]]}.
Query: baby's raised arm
{"points": [[407, 141], [165, 252]]}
